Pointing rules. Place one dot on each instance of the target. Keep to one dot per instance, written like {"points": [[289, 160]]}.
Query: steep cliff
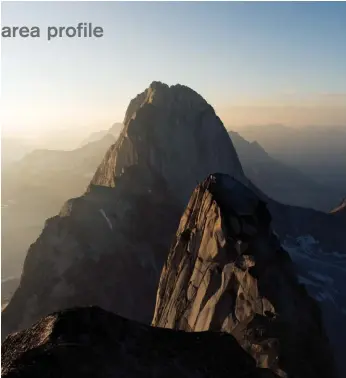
{"points": [[226, 271], [174, 132]]}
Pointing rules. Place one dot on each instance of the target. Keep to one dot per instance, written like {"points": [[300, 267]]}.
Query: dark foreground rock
{"points": [[227, 272], [91, 342]]}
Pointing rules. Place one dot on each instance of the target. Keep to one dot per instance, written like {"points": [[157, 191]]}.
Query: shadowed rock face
{"points": [[90, 342], [175, 132], [227, 272], [108, 246]]}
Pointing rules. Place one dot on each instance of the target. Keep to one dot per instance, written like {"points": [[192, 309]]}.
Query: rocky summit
{"points": [[107, 247], [93, 343], [174, 132], [227, 271]]}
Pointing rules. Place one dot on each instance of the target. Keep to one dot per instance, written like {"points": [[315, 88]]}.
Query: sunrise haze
{"points": [[256, 63]]}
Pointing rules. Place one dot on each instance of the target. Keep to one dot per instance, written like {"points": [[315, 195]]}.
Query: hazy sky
{"points": [[254, 62]]}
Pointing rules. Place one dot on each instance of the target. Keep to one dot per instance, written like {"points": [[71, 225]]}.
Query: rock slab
{"points": [[91, 342], [227, 272]]}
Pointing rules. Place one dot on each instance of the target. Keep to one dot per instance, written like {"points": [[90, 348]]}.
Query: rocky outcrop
{"points": [[90, 342], [107, 247], [226, 271]]}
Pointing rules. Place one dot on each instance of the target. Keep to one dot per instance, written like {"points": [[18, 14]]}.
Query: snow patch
{"points": [[307, 241], [106, 218]]}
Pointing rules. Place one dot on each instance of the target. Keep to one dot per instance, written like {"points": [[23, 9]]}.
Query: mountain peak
{"points": [[226, 271], [158, 85], [161, 94], [175, 89], [173, 131]]}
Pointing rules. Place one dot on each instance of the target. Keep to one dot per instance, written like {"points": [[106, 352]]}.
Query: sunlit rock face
{"points": [[227, 271], [107, 247]]}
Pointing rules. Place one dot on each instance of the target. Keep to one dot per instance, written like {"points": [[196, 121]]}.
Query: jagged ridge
{"points": [[226, 271]]}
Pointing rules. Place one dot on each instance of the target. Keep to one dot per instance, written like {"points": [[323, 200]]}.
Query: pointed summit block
{"points": [[227, 272], [174, 132]]}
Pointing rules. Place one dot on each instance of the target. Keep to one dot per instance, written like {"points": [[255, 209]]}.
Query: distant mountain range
{"points": [[282, 182], [97, 135], [318, 152], [13, 149], [35, 187]]}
